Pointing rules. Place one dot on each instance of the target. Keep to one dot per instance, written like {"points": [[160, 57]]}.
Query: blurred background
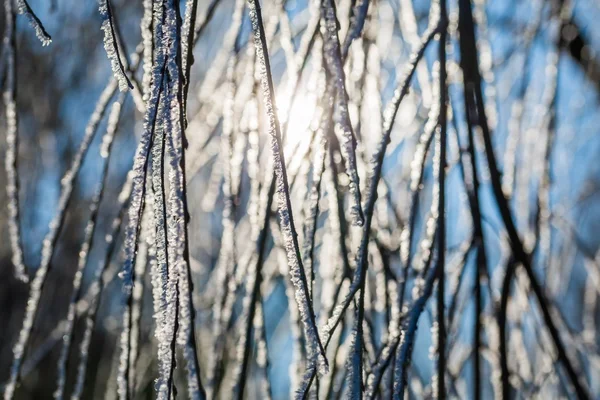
{"points": [[57, 89]]}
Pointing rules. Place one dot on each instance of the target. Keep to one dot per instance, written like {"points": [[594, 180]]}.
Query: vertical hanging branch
{"points": [[177, 202], [416, 183], [549, 124], [254, 274], [515, 123], [12, 142], [390, 284], [49, 243], [262, 356], [253, 282], [123, 386], [403, 356], [138, 187], [474, 94], [225, 269], [188, 31], [168, 296], [423, 286], [502, 320], [112, 47], [375, 175], [24, 9], [357, 23], [55, 229], [166, 275], [136, 304], [141, 158], [441, 251], [97, 286], [283, 192], [471, 180], [105, 153], [313, 197], [146, 28], [335, 64]]}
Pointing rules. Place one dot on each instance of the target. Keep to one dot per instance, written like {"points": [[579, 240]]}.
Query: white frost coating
{"points": [[24, 9], [357, 23], [512, 145], [177, 207], [138, 184], [112, 47], [242, 345], [136, 304], [311, 211], [187, 35], [169, 277], [283, 195], [90, 228], [139, 169], [262, 359], [253, 162], [422, 288], [416, 180], [12, 144], [225, 269], [354, 366], [157, 285], [375, 175], [83, 354], [50, 240], [148, 43], [124, 345], [409, 329], [96, 289], [156, 278], [335, 64], [295, 370], [164, 279]]}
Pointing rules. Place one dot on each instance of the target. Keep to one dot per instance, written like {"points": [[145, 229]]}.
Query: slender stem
{"points": [[441, 394], [472, 77]]}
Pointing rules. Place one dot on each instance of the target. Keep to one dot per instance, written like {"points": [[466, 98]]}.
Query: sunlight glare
{"points": [[299, 117]]}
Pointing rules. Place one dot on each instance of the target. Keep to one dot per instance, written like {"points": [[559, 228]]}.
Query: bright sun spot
{"points": [[298, 118]]}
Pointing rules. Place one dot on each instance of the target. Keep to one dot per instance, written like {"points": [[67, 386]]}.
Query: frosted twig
{"points": [[441, 173], [335, 64], [166, 277], [377, 162], [357, 23], [148, 44], [112, 47], [314, 195], [262, 356], [473, 92], [90, 229], [97, 286], [138, 189], [24, 9], [51, 238], [12, 143], [403, 355], [177, 203], [225, 268], [282, 190]]}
